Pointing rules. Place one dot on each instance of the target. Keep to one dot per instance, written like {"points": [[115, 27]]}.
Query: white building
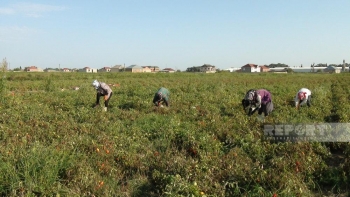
{"points": [[88, 70]]}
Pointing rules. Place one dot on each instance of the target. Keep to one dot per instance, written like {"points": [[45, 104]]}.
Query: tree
{"points": [[4, 65], [289, 70], [278, 65]]}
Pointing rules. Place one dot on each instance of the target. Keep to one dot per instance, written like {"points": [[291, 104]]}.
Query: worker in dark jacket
{"points": [[258, 100], [248, 103], [161, 96], [102, 90]]}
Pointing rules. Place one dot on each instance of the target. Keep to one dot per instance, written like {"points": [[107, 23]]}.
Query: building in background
{"points": [[332, 69], [134, 69], [250, 68], [66, 70], [168, 70], [105, 69], [33, 69], [88, 70], [146, 69], [206, 68], [117, 68], [264, 68]]}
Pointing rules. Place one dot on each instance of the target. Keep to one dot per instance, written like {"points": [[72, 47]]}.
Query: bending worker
{"points": [[161, 96], [303, 97], [102, 90], [258, 100]]}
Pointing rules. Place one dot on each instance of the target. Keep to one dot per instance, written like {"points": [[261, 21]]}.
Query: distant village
{"points": [[283, 68], [205, 68]]}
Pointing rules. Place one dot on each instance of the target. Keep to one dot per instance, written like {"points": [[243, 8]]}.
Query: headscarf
{"points": [[96, 84], [301, 95]]}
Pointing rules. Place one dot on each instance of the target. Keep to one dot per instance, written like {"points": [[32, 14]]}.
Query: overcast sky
{"points": [[173, 33]]}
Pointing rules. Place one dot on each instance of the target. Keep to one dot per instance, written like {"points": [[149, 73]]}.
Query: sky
{"points": [[173, 33]]}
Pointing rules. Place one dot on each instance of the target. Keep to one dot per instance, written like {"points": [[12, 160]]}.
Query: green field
{"points": [[53, 143]]}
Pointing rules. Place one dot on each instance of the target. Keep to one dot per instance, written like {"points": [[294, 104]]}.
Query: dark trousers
{"points": [[308, 102], [98, 95], [266, 108]]}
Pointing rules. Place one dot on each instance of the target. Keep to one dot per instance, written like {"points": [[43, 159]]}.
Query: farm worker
{"points": [[260, 100], [161, 96], [102, 90], [303, 97], [248, 103]]}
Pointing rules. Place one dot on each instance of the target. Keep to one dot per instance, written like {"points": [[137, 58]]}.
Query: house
{"points": [[232, 69], [332, 69], [33, 69], [88, 70], [105, 69], [193, 69], [66, 70], [116, 68], [250, 68], [51, 70], [154, 68], [168, 70], [134, 69], [264, 68], [207, 68], [146, 69]]}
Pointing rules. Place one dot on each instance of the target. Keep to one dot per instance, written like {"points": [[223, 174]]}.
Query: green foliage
{"points": [[289, 70], [40, 171], [49, 85], [4, 65], [3, 90], [277, 65], [55, 144]]}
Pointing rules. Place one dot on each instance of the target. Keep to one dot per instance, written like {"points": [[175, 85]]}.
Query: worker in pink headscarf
{"points": [[303, 97]]}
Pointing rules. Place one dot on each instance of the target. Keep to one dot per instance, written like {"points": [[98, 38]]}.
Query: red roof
{"points": [[251, 65], [168, 69]]}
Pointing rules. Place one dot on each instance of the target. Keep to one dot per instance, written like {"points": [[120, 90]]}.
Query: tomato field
{"points": [[53, 143]]}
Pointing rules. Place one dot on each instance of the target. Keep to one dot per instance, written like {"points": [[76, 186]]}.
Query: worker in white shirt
{"points": [[303, 97], [102, 89]]}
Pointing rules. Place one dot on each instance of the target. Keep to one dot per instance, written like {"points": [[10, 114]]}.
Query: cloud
{"points": [[30, 9], [6, 11], [15, 33]]}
